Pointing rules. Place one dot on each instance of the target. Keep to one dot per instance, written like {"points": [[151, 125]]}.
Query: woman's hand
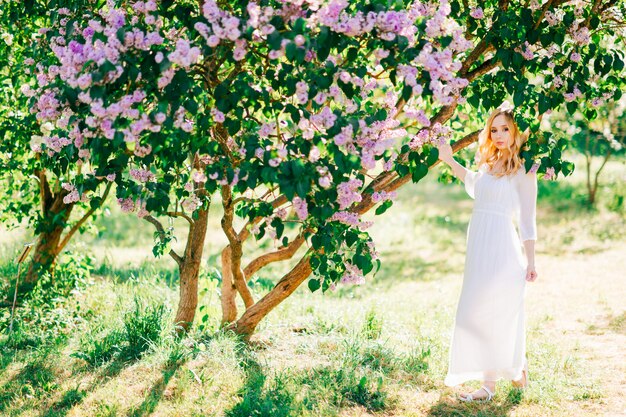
{"points": [[531, 273], [445, 152]]}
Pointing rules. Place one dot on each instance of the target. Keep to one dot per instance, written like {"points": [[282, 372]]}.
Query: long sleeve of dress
{"points": [[470, 182], [527, 191]]}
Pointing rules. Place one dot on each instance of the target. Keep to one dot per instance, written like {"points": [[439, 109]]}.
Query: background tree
{"points": [[31, 193], [603, 137], [322, 110]]}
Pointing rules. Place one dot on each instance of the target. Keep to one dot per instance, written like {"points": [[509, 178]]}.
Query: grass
{"points": [[104, 345]]}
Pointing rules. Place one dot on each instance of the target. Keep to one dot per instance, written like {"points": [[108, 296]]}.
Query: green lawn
{"points": [[378, 349]]}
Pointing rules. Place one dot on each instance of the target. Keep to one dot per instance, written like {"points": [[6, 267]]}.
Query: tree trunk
{"points": [[190, 270], [248, 322], [48, 248], [229, 292]]}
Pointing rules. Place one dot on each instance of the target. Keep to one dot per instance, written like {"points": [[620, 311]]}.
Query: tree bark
{"points": [[229, 292], [250, 319], [189, 270]]}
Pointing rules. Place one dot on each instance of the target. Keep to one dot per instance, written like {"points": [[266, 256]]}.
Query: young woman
{"points": [[489, 341]]}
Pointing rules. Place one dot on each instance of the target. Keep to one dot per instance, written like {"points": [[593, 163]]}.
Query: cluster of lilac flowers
{"points": [[418, 115], [142, 175], [580, 35], [300, 207], [324, 119], [437, 134], [128, 205], [442, 67], [477, 13], [526, 51], [573, 95], [353, 275], [348, 192], [351, 219], [377, 197], [72, 195], [185, 55], [389, 24], [553, 17], [191, 203], [302, 92], [376, 139]]}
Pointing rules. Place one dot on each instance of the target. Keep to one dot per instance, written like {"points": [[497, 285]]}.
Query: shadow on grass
{"points": [[449, 407], [38, 379], [70, 398], [35, 379], [7, 356], [257, 399], [345, 387], [155, 394]]}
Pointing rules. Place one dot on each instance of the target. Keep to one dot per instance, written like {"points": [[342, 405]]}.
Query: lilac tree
{"points": [[302, 115], [31, 193]]}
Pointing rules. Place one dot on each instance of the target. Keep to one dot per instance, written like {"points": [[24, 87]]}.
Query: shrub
{"points": [[98, 351], [143, 328]]}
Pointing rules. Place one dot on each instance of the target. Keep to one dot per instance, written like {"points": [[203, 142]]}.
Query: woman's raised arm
{"points": [[445, 155]]}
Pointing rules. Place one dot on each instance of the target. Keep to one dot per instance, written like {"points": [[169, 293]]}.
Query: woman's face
{"points": [[501, 134]]}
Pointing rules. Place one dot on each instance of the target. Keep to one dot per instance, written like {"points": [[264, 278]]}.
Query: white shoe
{"points": [[468, 398]]}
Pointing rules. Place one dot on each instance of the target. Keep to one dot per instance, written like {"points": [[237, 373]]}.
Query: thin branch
{"points": [[595, 180], [394, 182], [544, 9], [87, 215], [243, 198], [283, 289], [282, 254], [180, 214], [482, 69], [157, 224]]}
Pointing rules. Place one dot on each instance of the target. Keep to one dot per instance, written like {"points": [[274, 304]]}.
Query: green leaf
{"points": [[571, 107], [518, 98], [544, 103], [433, 156], [323, 44], [567, 168], [290, 51], [419, 172], [351, 238], [314, 284], [407, 90], [383, 207], [474, 100], [274, 40]]}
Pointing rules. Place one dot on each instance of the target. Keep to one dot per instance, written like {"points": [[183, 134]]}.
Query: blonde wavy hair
{"points": [[488, 154]]}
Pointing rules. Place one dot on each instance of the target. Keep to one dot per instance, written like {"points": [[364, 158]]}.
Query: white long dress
{"points": [[489, 342]]}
